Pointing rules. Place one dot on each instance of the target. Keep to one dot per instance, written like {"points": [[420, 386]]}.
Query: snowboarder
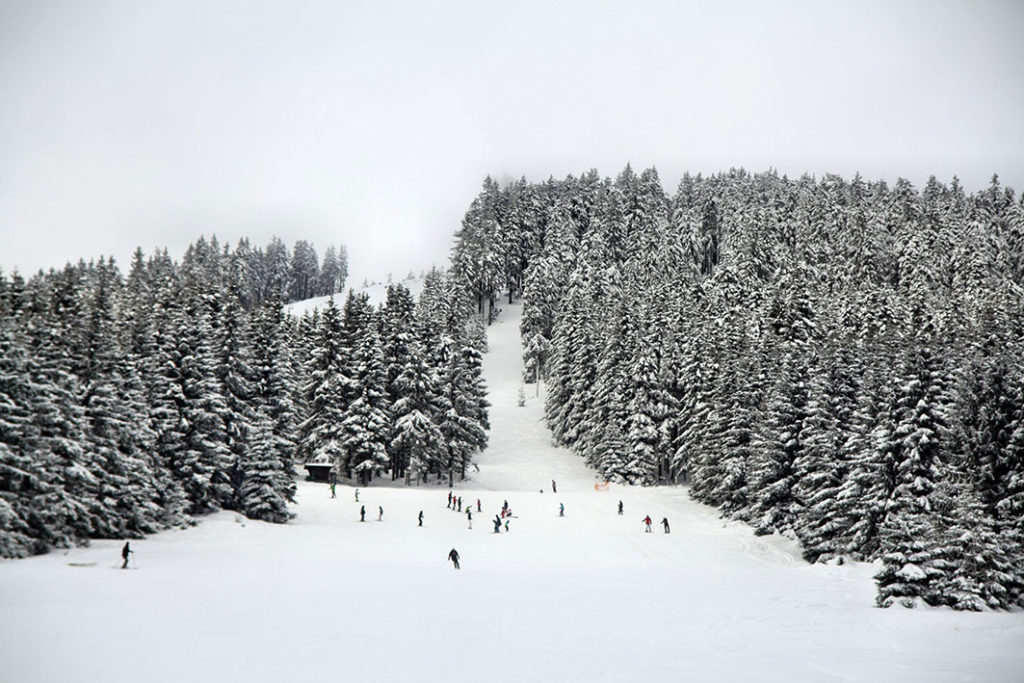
{"points": [[357, 495], [469, 517], [620, 507], [561, 510], [421, 517], [362, 513], [333, 494], [554, 489], [125, 552], [454, 557], [664, 523], [380, 514], [647, 524]]}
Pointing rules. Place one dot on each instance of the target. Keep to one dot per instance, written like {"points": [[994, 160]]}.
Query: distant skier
{"points": [[647, 524], [454, 557], [380, 514], [460, 503], [333, 494], [357, 495], [478, 506], [421, 517], [506, 525], [561, 510], [362, 513], [449, 499], [554, 489], [125, 552], [664, 523], [469, 517], [620, 507], [497, 524]]}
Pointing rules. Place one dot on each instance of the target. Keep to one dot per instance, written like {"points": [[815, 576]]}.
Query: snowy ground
{"points": [[377, 291], [587, 597]]}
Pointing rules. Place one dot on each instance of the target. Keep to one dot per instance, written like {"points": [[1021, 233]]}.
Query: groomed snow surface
{"points": [[585, 597]]}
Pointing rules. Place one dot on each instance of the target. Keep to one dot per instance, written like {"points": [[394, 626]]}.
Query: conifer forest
{"points": [[835, 360], [133, 404]]}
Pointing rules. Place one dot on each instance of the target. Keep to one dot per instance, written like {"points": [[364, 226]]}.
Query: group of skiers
{"points": [[380, 513], [647, 521], [454, 503], [500, 519]]}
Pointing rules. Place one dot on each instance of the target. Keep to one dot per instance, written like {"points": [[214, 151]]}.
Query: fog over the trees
{"points": [[369, 124]]}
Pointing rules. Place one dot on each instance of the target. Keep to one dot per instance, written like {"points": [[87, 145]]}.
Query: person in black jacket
{"points": [[125, 552], [454, 557], [421, 517], [362, 513], [664, 523]]}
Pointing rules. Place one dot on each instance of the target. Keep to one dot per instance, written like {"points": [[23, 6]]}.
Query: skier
{"points": [[449, 499], [497, 524], [554, 489], [506, 525], [380, 514], [454, 557], [469, 517], [362, 513], [357, 495], [620, 507], [647, 524], [421, 517], [333, 494], [460, 503], [664, 523], [125, 552], [478, 507], [561, 510]]}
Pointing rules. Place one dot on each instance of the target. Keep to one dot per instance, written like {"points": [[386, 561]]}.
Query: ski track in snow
{"points": [[585, 597]]}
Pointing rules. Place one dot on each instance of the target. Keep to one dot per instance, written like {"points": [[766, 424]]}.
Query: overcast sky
{"points": [[373, 124]]}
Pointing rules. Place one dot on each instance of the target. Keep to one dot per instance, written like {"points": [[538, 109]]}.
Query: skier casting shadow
{"points": [[454, 557]]}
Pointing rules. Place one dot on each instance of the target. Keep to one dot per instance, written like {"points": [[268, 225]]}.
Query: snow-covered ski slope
{"points": [[585, 597], [377, 293]]}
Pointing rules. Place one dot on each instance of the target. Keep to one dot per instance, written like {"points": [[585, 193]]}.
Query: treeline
{"points": [[836, 360], [274, 270], [131, 404]]}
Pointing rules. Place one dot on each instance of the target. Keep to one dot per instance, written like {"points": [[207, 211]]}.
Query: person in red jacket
{"points": [[647, 524]]}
